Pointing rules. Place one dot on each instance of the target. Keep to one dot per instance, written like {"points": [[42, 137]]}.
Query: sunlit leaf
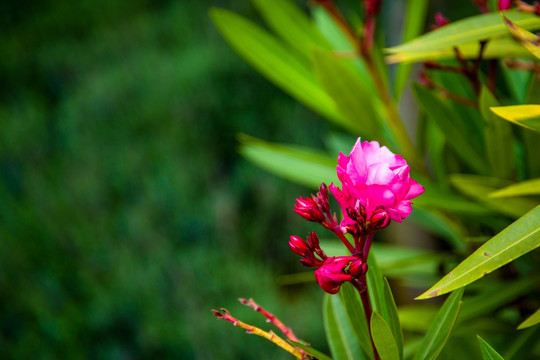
{"points": [[479, 188], [275, 61], [527, 187], [530, 41], [531, 320], [297, 164], [474, 28], [441, 328], [488, 353], [516, 240], [383, 338], [527, 116]]}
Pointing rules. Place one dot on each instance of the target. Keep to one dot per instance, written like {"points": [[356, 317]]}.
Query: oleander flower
{"points": [[332, 274], [374, 179]]}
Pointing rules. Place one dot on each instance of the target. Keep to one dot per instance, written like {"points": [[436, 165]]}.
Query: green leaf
{"points": [[531, 320], [354, 98], [415, 17], [488, 353], [392, 315], [311, 351], [471, 29], [290, 22], [275, 61], [527, 187], [338, 330], [441, 328], [301, 165], [527, 116], [383, 339], [441, 113], [355, 311], [440, 224], [516, 240], [530, 41], [521, 344], [375, 284], [479, 188], [499, 137], [496, 48]]}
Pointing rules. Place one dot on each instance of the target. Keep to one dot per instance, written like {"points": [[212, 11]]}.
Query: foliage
{"points": [[480, 172]]}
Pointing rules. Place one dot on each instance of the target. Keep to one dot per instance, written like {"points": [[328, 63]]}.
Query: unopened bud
{"points": [[308, 209], [380, 219], [299, 246], [309, 262], [357, 268]]}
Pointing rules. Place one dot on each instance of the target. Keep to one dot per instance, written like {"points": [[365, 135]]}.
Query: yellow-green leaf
{"points": [[530, 41], [524, 188], [524, 115], [519, 238], [531, 320]]}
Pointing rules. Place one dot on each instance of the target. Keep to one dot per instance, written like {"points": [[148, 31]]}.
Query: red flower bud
{"points": [[299, 246], [380, 219], [308, 209], [357, 268], [332, 274]]}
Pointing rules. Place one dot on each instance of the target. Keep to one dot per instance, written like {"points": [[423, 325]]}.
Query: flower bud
{"points": [[380, 219], [357, 268], [504, 5], [308, 209], [299, 246], [331, 275]]}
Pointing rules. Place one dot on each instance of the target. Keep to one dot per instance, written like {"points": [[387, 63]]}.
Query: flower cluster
{"points": [[376, 188]]}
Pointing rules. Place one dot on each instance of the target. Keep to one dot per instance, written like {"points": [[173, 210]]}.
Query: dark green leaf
{"points": [[383, 338], [440, 328], [355, 311], [392, 315], [488, 353]]}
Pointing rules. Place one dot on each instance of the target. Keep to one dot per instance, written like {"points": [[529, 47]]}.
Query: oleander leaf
{"points": [[471, 29], [272, 58], [300, 165], [488, 353], [355, 311], [524, 188], [393, 317], [527, 116], [441, 328], [531, 320], [383, 339], [519, 238], [530, 41]]}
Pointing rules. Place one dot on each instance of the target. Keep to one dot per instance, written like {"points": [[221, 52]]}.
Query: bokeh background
{"points": [[126, 213]]}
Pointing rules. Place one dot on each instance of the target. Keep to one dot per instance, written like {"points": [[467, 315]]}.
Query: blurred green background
{"points": [[126, 212]]}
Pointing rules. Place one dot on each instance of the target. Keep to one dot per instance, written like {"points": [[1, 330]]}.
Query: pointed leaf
{"points": [[392, 315], [275, 61], [301, 165], [527, 116], [516, 240], [311, 351], [441, 328], [499, 137], [479, 188], [338, 330], [474, 28], [531, 320], [527, 187], [383, 339], [355, 311], [375, 284], [530, 41], [488, 353]]}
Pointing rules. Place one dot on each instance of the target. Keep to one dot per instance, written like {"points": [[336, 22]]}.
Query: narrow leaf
{"points": [[311, 351], [527, 187], [479, 188], [527, 116], [530, 41], [375, 284], [516, 240], [392, 315], [441, 328], [353, 97], [488, 353], [531, 320], [301, 165], [474, 28], [275, 61], [498, 137], [355, 311], [383, 339]]}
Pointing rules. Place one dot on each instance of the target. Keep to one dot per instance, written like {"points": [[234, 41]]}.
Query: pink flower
{"points": [[374, 178], [332, 273]]}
